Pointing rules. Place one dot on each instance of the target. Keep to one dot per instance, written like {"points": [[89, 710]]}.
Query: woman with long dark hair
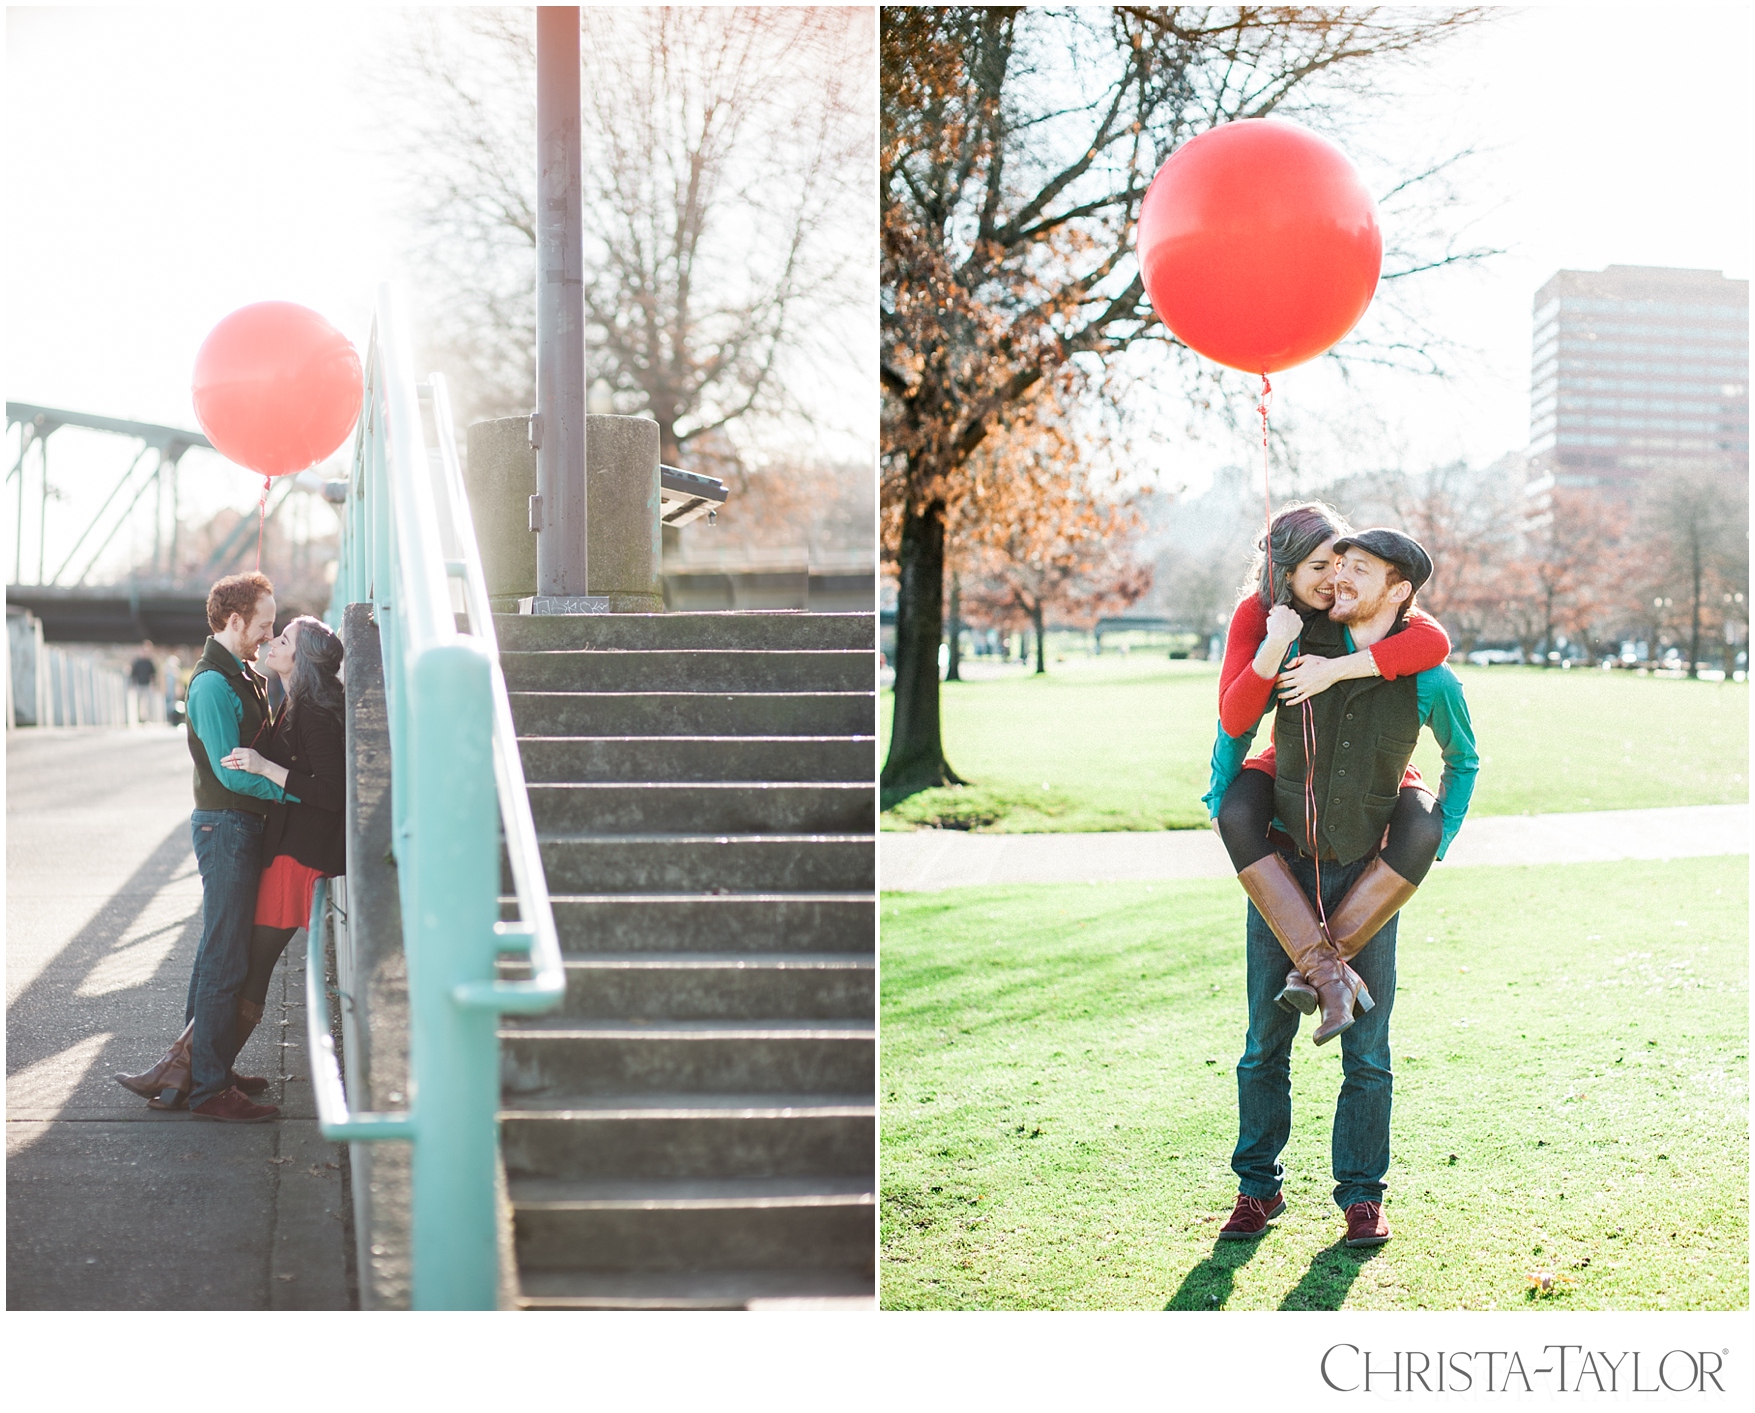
{"points": [[302, 749], [1290, 582]]}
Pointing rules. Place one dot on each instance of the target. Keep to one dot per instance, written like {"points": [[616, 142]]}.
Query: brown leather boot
{"points": [[1376, 896], [178, 1080], [249, 1017], [148, 1082], [1274, 890]]}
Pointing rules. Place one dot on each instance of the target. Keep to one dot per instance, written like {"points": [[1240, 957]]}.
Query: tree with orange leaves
{"points": [[1036, 534]]}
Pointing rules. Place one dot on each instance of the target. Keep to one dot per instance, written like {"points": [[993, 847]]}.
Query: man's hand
{"points": [[1305, 677]]}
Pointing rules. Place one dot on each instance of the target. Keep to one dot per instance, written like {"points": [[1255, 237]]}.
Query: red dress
{"points": [[283, 897]]}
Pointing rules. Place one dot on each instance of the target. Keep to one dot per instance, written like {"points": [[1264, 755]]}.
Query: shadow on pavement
{"points": [[47, 1016]]}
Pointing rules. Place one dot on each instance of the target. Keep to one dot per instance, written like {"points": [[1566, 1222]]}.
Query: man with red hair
{"points": [[225, 707]]}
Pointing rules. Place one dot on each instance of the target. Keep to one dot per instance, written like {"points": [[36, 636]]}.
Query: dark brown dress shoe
{"points": [[250, 1083], [1365, 1224], [1250, 1217], [233, 1108]]}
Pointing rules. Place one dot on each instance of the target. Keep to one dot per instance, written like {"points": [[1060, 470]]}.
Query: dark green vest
{"points": [[209, 793], [1365, 734]]}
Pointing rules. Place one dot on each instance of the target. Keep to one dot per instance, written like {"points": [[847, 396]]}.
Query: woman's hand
{"points": [[1305, 677], [254, 763], [1283, 625], [243, 758]]}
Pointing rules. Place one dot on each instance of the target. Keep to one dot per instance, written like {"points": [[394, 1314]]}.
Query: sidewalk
{"points": [[110, 1205], [930, 860]]}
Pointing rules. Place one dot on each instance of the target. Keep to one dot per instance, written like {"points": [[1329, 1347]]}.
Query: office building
{"points": [[1638, 370]]}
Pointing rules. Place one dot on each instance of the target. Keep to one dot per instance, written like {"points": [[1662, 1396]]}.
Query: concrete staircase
{"points": [[695, 1126]]}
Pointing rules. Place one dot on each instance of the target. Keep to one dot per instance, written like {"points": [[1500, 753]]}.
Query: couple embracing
{"points": [[267, 824], [1331, 830]]}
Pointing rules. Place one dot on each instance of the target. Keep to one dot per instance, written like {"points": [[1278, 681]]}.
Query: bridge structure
{"points": [[154, 598]]}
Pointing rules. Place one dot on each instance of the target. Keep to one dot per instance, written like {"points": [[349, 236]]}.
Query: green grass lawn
{"points": [[1571, 1050], [1124, 743]]}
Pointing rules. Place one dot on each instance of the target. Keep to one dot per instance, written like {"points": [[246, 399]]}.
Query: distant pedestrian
{"points": [[143, 670], [225, 705]]}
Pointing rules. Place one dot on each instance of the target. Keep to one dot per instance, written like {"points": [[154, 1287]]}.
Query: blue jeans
{"points": [[1360, 1147], [228, 851]]}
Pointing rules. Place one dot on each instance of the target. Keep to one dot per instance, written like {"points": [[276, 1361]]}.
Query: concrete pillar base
{"points": [[622, 509], [499, 478]]}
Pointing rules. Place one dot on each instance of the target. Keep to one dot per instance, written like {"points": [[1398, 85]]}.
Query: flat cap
{"points": [[1403, 551]]}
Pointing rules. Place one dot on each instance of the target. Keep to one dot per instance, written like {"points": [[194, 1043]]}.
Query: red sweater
{"points": [[1244, 697]]}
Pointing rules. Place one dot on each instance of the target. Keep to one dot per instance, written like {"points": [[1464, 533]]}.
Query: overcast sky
{"points": [[165, 166]]}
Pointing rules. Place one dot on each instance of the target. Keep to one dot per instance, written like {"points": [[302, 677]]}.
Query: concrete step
{"points": [[806, 1289], [689, 1135], [694, 713], [553, 759], [715, 985], [702, 863], [556, 1055], [720, 922], [785, 631], [720, 807], [690, 670], [692, 1224]]}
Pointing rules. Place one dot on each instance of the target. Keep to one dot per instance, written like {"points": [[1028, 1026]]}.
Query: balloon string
{"points": [[1267, 398], [1309, 728], [262, 520], [1308, 718]]}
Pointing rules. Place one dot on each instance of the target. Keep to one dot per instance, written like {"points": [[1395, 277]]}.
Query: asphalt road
{"points": [[111, 1205]]}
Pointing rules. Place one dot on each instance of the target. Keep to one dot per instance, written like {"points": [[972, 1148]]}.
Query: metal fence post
{"points": [[450, 900]]}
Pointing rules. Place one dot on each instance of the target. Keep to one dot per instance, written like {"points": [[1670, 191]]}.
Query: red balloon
{"points": [[1259, 244], [277, 387]]}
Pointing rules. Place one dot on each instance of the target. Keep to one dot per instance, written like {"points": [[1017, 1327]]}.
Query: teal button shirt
{"points": [[216, 714], [1442, 708]]}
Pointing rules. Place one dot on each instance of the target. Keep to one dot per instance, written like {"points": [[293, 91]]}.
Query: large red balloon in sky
{"points": [[1259, 244], [277, 387]]}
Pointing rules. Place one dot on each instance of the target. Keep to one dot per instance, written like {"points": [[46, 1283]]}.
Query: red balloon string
{"points": [[1267, 400], [262, 519], [1308, 719]]}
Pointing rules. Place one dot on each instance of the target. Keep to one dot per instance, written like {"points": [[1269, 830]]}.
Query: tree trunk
{"points": [[1694, 627], [917, 760], [955, 636], [1041, 649]]}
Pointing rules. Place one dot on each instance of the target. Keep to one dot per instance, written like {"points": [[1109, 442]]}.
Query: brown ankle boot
{"points": [[178, 1080], [148, 1083], [249, 1017], [1376, 896], [1274, 890]]}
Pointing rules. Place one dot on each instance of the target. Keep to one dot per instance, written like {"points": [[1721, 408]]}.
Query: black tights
{"points": [[266, 945], [1415, 826]]}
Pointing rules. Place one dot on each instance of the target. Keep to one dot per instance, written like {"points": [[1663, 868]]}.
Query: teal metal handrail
{"points": [[408, 547]]}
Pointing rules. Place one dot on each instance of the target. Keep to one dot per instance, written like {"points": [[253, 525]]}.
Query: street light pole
{"points": [[557, 431]]}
